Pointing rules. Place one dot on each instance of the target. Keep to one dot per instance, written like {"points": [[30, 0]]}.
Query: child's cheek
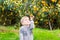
{"points": [[26, 22], [29, 22]]}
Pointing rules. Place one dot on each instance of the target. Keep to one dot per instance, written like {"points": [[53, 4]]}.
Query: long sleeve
{"points": [[21, 35], [31, 24]]}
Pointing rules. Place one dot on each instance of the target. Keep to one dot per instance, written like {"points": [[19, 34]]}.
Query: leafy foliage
{"points": [[46, 12]]}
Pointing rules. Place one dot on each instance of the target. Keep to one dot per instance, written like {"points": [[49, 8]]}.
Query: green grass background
{"points": [[9, 33]]}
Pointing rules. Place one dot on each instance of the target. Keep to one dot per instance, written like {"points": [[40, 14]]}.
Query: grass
{"points": [[9, 33], [43, 34]]}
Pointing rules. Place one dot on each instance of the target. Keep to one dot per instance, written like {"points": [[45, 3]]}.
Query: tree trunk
{"points": [[50, 25]]}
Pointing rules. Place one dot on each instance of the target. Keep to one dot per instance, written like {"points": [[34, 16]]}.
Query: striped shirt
{"points": [[26, 32]]}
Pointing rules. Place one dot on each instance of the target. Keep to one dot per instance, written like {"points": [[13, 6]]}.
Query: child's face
{"points": [[26, 21]]}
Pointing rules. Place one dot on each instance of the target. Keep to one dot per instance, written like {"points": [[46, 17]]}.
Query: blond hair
{"points": [[22, 19]]}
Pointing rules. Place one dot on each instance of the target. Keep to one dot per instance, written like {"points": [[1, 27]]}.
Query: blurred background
{"points": [[46, 12]]}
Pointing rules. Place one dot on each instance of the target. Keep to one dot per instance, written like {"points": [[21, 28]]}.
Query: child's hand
{"points": [[31, 17]]}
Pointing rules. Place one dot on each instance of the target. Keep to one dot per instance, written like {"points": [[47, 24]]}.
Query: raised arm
{"points": [[31, 24]]}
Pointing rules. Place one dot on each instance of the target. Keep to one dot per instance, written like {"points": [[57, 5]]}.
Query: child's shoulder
{"points": [[21, 27]]}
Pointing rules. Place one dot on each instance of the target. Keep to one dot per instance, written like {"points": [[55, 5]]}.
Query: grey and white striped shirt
{"points": [[26, 32]]}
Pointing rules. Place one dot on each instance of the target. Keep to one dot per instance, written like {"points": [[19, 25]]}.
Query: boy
{"points": [[26, 28]]}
